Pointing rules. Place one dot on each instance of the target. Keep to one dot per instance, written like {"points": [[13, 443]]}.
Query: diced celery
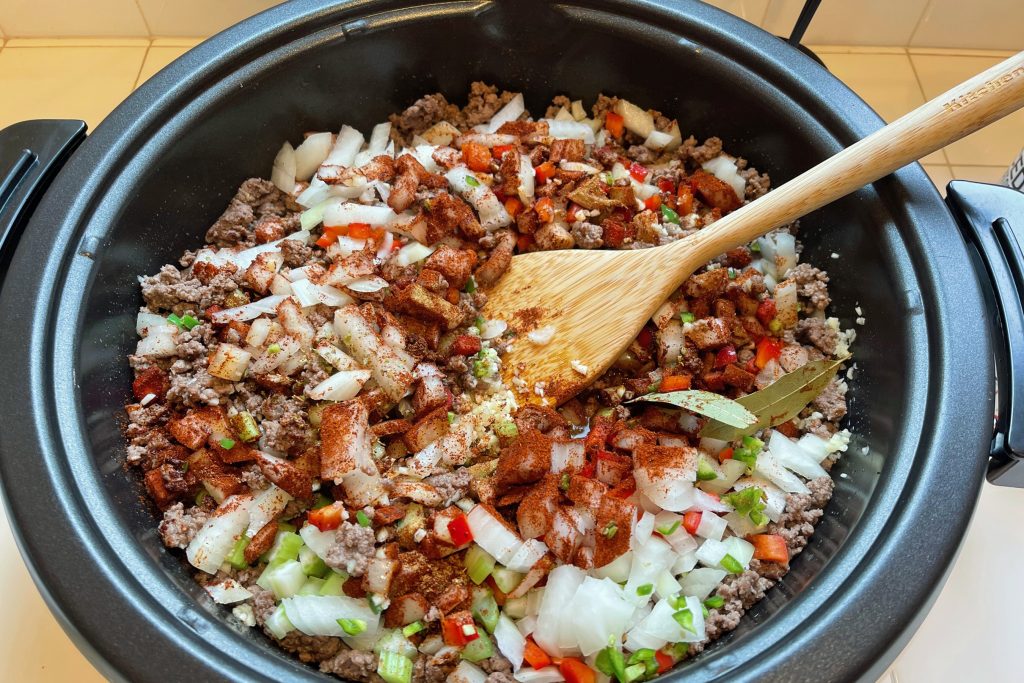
{"points": [[516, 608], [283, 579], [313, 586], [244, 425], [704, 470], [412, 629], [352, 627], [506, 579], [278, 624], [394, 668], [285, 526], [506, 429], [311, 562], [485, 608], [479, 649], [392, 640], [237, 557], [286, 547], [333, 583], [478, 563], [321, 501]]}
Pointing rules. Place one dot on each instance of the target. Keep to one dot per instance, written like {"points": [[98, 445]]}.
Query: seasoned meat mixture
{"points": [[322, 414]]}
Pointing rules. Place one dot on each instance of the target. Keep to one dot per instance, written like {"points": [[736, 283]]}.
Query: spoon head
{"points": [[573, 312]]}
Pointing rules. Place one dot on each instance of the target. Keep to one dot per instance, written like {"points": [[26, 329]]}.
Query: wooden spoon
{"points": [[597, 301]]}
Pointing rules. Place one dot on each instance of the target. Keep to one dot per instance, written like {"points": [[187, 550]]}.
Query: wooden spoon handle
{"points": [[957, 113]]}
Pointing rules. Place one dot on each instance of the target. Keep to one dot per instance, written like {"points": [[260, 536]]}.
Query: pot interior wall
{"points": [[193, 162]]}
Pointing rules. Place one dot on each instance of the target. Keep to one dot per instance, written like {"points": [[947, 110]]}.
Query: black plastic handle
{"points": [[31, 153], [991, 219]]}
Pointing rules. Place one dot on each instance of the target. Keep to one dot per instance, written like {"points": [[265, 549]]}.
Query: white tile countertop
{"points": [[970, 633]]}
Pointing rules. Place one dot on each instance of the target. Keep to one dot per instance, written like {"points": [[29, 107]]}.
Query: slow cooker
{"points": [[81, 217]]}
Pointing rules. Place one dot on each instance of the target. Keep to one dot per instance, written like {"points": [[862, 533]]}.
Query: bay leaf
{"points": [[720, 408], [780, 401]]}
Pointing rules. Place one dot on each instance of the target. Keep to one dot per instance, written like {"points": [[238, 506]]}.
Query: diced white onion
{"points": [[793, 457], [227, 592], [414, 252], [563, 582], [702, 582], [317, 615], [529, 554], [144, 322], [510, 112], [215, 540], [283, 174], [549, 674], [598, 612], [770, 468], [510, 641], [318, 541], [368, 284], [541, 335], [711, 526], [310, 154], [492, 535], [341, 386], [466, 672], [570, 130], [658, 140], [265, 506], [527, 181], [345, 148]]}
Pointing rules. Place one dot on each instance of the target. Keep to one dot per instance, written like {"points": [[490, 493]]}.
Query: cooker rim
{"points": [[54, 277]]}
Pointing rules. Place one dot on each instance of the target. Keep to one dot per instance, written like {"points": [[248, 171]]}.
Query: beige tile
{"points": [[996, 145], [885, 81], [62, 18], [969, 633], [981, 24], [156, 59], [68, 82], [960, 51], [858, 49], [176, 42], [751, 10], [868, 22], [940, 175], [33, 648], [982, 174], [78, 42], [197, 17]]}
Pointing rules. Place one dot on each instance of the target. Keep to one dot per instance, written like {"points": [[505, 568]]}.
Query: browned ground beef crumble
{"points": [[426, 308]]}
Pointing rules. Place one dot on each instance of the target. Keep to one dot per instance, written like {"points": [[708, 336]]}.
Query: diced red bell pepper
{"points": [[666, 185], [459, 530], [691, 520], [545, 209], [675, 383], [653, 203], [544, 172], [476, 156], [359, 231], [535, 656], [499, 150], [638, 171], [770, 548], [614, 233], [571, 210], [600, 430], [766, 311], [524, 242], [725, 454], [588, 470], [788, 429], [684, 200], [646, 337], [328, 517], [466, 345], [575, 671], [714, 380], [513, 206], [726, 356], [614, 124], [453, 629], [665, 662], [624, 489], [769, 348]]}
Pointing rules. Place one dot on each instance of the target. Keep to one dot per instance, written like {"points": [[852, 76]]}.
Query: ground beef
{"points": [[254, 479], [451, 485], [255, 198], [642, 154], [434, 668], [496, 665], [191, 384], [180, 526], [312, 648], [311, 375], [832, 401], [815, 331], [352, 665], [812, 285], [556, 105], [286, 424], [500, 677], [803, 510], [484, 102], [603, 105], [263, 602], [758, 184], [711, 148], [792, 357], [352, 550], [422, 114], [170, 291], [587, 235], [296, 253], [739, 592]]}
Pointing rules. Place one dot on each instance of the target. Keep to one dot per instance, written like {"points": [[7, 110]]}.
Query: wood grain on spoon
{"points": [[597, 301]]}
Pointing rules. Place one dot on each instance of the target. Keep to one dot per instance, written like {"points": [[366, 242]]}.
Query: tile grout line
{"points": [[142, 66], [145, 21], [917, 26], [924, 95]]}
